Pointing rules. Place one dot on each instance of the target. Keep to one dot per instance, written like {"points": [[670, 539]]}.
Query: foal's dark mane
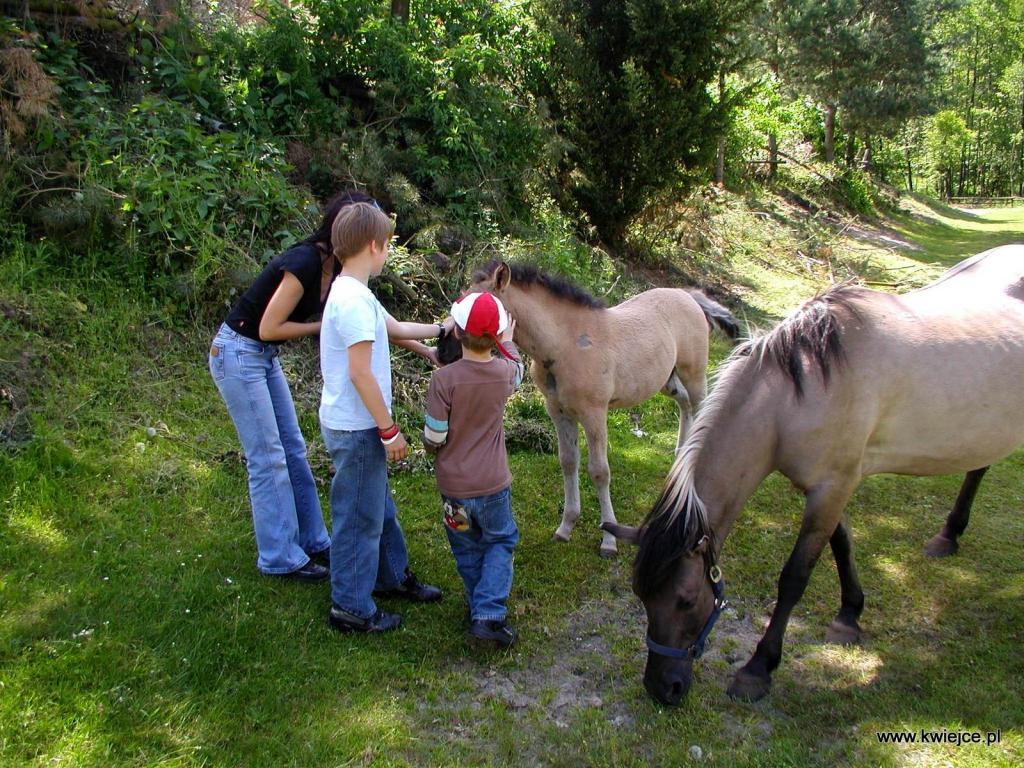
{"points": [[679, 520], [527, 274]]}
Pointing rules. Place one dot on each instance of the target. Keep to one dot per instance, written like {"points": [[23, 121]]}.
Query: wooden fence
{"points": [[987, 202]]}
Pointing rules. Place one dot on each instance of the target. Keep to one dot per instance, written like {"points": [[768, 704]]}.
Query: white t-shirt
{"points": [[352, 315]]}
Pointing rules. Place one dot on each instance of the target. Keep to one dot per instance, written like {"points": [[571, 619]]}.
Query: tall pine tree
{"points": [[628, 86]]}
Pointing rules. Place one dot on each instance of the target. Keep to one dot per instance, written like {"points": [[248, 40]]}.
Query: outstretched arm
{"points": [[399, 331], [421, 349], [275, 325]]}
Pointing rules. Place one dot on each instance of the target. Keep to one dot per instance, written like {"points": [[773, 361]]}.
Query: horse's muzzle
{"points": [[668, 681]]}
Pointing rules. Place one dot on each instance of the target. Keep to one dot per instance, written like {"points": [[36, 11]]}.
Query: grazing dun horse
{"points": [[586, 358], [854, 383]]}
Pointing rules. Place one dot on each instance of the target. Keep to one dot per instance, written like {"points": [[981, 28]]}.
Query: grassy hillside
{"points": [[135, 630]]}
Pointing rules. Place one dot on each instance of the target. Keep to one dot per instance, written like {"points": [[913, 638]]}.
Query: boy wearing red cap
{"points": [[464, 428]]}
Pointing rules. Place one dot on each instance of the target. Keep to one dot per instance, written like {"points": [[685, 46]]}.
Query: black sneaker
{"points": [[322, 558], [412, 589], [310, 572], [495, 632], [343, 621]]}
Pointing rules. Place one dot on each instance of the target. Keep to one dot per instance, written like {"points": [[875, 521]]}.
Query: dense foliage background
{"points": [[181, 143]]}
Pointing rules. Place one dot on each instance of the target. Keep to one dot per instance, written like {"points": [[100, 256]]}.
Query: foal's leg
{"points": [[944, 542], [822, 513], [687, 406], [569, 458], [844, 628], [595, 425]]}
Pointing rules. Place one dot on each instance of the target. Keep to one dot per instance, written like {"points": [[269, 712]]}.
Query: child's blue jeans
{"points": [[367, 546], [285, 506], [483, 552]]}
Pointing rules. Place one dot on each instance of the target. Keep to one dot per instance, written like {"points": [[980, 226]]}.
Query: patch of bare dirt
{"points": [[587, 672], [875, 235]]}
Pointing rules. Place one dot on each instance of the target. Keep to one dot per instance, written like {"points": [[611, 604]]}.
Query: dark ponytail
{"points": [[331, 209]]}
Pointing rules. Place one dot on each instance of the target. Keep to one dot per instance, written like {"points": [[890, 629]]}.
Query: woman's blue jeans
{"points": [[483, 552], [367, 546], [285, 507]]}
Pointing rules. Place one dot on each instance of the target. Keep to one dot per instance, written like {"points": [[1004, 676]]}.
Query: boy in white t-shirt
{"points": [[368, 554]]}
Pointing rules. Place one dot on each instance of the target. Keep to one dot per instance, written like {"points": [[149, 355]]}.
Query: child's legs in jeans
{"points": [[394, 558], [242, 370], [312, 532], [469, 556], [367, 546], [493, 537]]}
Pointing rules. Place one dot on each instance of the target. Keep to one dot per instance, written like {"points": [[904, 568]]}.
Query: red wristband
{"points": [[387, 434]]}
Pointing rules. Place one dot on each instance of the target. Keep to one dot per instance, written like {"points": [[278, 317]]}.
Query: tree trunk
{"points": [[866, 158], [851, 149], [773, 154], [162, 12], [720, 158], [970, 111], [963, 173], [1020, 150], [830, 129], [400, 10]]}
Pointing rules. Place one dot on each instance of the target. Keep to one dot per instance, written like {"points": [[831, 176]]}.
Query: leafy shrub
{"points": [[146, 188], [527, 425], [856, 191], [530, 435]]}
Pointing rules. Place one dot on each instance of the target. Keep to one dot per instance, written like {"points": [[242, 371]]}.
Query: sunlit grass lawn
{"points": [[948, 234], [134, 629]]}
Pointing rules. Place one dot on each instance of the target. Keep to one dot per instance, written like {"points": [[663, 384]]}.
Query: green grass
{"points": [[134, 629]]}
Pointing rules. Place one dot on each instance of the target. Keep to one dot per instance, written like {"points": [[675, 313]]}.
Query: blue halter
{"points": [[696, 649]]}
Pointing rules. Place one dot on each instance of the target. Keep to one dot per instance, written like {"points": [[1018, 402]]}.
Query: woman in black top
{"points": [[245, 367]]}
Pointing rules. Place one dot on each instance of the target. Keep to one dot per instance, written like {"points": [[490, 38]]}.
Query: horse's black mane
{"points": [[527, 274], [667, 536], [814, 330]]}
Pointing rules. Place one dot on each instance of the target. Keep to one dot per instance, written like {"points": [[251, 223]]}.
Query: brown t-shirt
{"points": [[464, 424]]}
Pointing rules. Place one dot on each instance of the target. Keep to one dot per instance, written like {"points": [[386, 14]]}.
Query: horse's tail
{"points": [[718, 316]]}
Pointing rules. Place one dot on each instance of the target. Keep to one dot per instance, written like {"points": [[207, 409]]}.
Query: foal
{"points": [[586, 358]]}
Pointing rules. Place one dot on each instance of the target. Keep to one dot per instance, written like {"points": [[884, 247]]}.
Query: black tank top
{"points": [[304, 261]]}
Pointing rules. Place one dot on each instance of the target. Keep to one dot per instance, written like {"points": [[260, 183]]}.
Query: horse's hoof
{"points": [[940, 546], [608, 553], [842, 634], [747, 687], [562, 537]]}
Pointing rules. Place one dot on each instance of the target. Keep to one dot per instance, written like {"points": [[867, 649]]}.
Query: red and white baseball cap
{"points": [[482, 314]]}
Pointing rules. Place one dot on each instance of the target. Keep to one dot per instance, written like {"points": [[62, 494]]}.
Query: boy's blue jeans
{"points": [[367, 546], [285, 506], [483, 553]]}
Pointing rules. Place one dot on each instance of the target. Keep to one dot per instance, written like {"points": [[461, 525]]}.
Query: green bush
{"points": [[857, 191], [147, 189]]}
